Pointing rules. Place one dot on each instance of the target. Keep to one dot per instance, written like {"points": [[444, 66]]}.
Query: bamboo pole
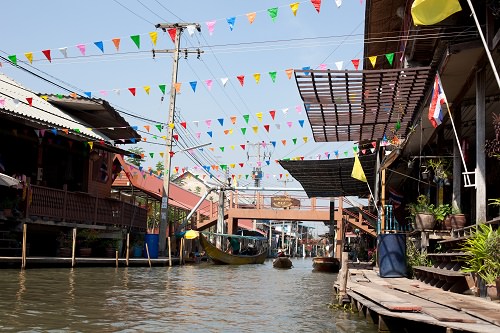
{"points": [[116, 255], [128, 248], [169, 252], [342, 278], [180, 252], [23, 258], [73, 248], [147, 252]]}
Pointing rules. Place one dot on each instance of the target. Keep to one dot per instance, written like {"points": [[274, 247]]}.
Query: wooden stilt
{"points": [[169, 253], [73, 248], [116, 255], [127, 254], [181, 251], [23, 259], [147, 252], [344, 273]]}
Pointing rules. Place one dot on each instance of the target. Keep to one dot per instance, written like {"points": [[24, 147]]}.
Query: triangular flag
{"points": [[231, 21], [208, 122], [132, 91], [242, 147], [177, 87], [162, 88], [176, 137], [273, 143], [82, 48], [272, 113], [339, 65], [191, 28], [273, 12], [259, 116], [289, 123], [357, 170], [251, 17], [64, 51], [211, 26], [390, 58], [316, 4], [305, 138], [30, 100], [233, 120], [196, 123], [224, 81], [88, 94], [221, 149], [159, 127], [255, 129], [306, 69], [210, 133], [209, 84], [137, 40], [289, 73], [338, 2], [13, 59], [193, 85], [301, 123], [322, 66], [172, 33], [294, 6], [373, 60], [29, 56], [273, 76], [184, 124], [147, 89], [278, 126], [294, 141], [154, 37], [116, 42], [283, 142], [46, 53], [246, 117], [221, 121], [243, 130], [100, 45], [256, 76], [426, 12], [198, 135], [171, 125], [355, 62], [147, 127], [241, 78], [266, 127]]}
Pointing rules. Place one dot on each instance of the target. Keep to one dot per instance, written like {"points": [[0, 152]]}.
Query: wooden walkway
{"points": [[32, 262], [404, 305]]}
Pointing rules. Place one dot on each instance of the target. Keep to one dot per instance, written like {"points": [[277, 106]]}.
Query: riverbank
{"points": [[401, 304]]}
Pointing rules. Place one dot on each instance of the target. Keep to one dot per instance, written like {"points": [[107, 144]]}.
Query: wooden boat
{"points": [[282, 262], [223, 258], [326, 264]]}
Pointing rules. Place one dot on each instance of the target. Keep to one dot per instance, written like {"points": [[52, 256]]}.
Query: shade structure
{"points": [[8, 180], [361, 105], [191, 234], [332, 178]]}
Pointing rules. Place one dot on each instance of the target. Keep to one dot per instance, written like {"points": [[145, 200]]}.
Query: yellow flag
{"points": [[428, 12], [29, 56], [373, 60], [147, 89], [257, 77], [154, 37], [294, 6], [357, 170], [259, 116]]}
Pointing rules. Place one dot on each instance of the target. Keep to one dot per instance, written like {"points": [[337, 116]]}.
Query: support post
{"points": [[23, 259], [169, 252], [147, 252], [344, 273], [220, 220], [127, 254], [456, 199], [480, 153], [73, 248], [382, 202]]}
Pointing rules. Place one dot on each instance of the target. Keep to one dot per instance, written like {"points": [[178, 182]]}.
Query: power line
{"points": [[134, 13]]}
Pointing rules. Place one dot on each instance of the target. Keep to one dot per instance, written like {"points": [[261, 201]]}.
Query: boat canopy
{"points": [[257, 238]]}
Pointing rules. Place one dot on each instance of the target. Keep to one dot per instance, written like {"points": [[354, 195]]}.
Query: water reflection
{"points": [[253, 298]]}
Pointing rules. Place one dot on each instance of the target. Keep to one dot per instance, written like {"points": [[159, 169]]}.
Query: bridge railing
{"points": [[263, 201]]}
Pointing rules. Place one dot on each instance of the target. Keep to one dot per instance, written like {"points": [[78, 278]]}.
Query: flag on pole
{"points": [[428, 12], [357, 170], [438, 99]]}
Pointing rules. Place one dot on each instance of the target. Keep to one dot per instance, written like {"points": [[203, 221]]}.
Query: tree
{"points": [[134, 160], [159, 167]]}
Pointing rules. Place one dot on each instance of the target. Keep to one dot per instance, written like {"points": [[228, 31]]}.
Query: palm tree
{"points": [[134, 160]]}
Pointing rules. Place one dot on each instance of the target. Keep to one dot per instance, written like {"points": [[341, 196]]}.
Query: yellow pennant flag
{"points": [[373, 60], [171, 125], [45, 97], [294, 6], [154, 37], [357, 170], [91, 144], [305, 139], [428, 12], [257, 77], [29, 56], [161, 154], [259, 116], [147, 89], [255, 129]]}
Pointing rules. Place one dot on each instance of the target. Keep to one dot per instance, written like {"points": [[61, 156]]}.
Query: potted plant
{"points": [[440, 168], [422, 213], [65, 243], [482, 258], [87, 238], [441, 212]]}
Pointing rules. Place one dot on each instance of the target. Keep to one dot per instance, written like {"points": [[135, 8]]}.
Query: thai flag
{"points": [[438, 99]]}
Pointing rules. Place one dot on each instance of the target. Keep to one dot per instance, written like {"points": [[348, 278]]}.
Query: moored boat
{"points": [[282, 262], [223, 258], [326, 264]]}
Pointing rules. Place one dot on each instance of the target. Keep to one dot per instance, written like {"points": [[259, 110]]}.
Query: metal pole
{"points": [[220, 220]]}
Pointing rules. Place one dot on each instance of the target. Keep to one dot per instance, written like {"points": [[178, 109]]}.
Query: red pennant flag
{"points": [[281, 175], [242, 147], [171, 153], [172, 32], [132, 91], [316, 4], [176, 137], [30, 100], [301, 158], [241, 78], [241, 165], [266, 127], [272, 113], [47, 55], [374, 144], [183, 124], [355, 62]]}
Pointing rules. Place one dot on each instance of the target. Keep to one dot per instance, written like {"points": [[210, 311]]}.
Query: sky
{"points": [[308, 39]]}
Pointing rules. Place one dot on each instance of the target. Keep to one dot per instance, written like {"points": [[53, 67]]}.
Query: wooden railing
{"points": [[77, 207]]}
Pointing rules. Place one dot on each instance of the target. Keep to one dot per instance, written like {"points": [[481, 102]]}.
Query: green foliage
{"points": [[440, 167], [422, 205], [133, 160], [483, 253], [159, 167], [415, 257], [441, 211], [88, 237], [494, 202]]}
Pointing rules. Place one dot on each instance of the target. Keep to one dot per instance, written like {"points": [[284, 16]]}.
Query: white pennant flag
{"points": [[224, 81], [285, 111], [338, 2], [64, 51], [196, 122], [191, 28], [117, 91], [278, 126], [339, 65], [372, 149], [16, 102]]}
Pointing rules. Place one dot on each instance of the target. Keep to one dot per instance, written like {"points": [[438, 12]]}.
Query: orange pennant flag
{"points": [[178, 87], [289, 73], [147, 127], [116, 42], [283, 142], [233, 119], [251, 17], [73, 95], [65, 130]]}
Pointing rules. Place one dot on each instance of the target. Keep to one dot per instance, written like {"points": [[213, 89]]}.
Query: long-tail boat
{"points": [[326, 264], [223, 258]]}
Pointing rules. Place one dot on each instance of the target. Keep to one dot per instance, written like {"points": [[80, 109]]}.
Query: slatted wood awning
{"points": [[360, 105]]}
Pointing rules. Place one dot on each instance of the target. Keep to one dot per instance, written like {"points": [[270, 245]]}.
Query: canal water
{"points": [[196, 298]]}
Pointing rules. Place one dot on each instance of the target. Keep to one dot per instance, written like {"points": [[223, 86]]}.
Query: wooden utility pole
{"points": [[171, 28]]}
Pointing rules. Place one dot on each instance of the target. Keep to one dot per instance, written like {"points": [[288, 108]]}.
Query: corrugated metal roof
{"points": [[41, 112]]}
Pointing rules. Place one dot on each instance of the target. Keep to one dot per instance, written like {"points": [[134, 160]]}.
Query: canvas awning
{"points": [[332, 178], [361, 105]]}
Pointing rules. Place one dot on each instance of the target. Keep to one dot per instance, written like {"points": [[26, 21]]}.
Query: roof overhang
{"points": [[332, 178], [361, 105]]}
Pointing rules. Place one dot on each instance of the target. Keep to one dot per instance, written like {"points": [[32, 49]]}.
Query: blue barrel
{"points": [[392, 255], [152, 240]]}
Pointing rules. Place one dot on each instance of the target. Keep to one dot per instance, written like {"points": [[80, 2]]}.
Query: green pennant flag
{"points": [[155, 137], [246, 117], [390, 57], [286, 159], [152, 155], [159, 127], [346, 153], [294, 141], [13, 59], [223, 166], [355, 148], [77, 130], [221, 149], [137, 40], [246, 176], [273, 76], [162, 88], [243, 130], [273, 12], [398, 125]]}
